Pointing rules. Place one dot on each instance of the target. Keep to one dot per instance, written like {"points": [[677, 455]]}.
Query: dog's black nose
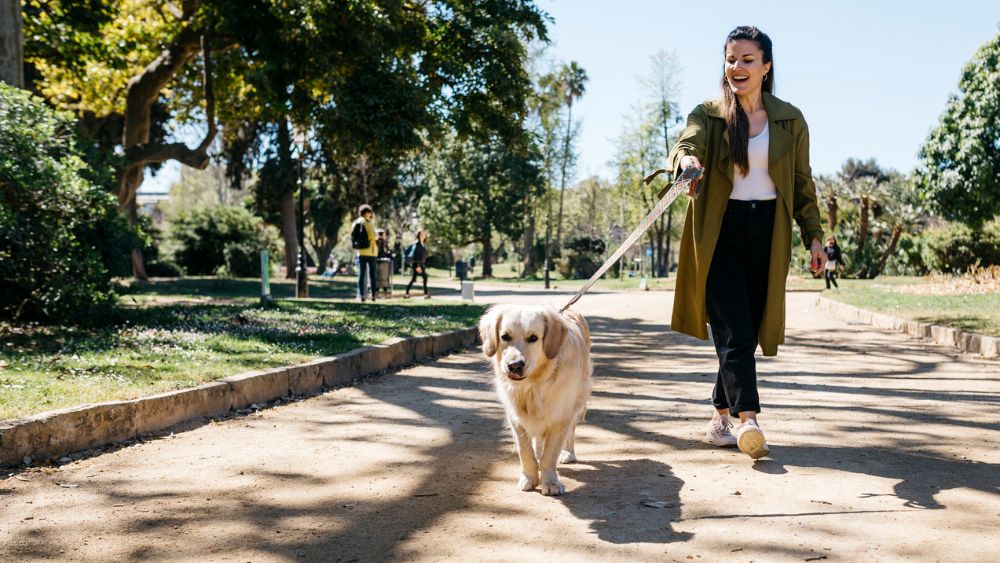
{"points": [[516, 367]]}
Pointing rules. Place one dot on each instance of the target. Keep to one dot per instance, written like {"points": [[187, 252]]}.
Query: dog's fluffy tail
{"points": [[581, 322]]}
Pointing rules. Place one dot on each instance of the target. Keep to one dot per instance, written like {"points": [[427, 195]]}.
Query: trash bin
{"points": [[461, 271], [383, 275]]}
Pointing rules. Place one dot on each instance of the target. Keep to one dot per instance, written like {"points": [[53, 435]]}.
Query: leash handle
{"points": [[690, 174]]}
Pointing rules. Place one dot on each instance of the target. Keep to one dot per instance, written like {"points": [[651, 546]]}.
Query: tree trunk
{"points": [[831, 213], [530, 267], [670, 227], [562, 183], [863, 222], [289, 221], [11, 44], [893, 241], [138, 263], [488, 256]]}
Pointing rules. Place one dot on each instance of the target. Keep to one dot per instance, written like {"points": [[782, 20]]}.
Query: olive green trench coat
{"points": [[707, 138]]}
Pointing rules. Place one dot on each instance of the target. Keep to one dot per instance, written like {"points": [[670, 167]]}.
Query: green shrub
{"points": [[956, 247], [200, 238], [242, 259], [582, 257], [163, 269], [61, 237]]}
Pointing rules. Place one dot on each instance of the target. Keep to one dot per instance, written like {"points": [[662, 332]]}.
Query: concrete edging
{"points": [[57, 433], [970, 342]]}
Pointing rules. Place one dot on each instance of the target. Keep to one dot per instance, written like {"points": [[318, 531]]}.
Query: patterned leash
{"points": [[681, 185]]}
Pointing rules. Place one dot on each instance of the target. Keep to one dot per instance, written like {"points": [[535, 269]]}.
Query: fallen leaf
{"points": [[350, 504], [68, 485], [658, 504]]}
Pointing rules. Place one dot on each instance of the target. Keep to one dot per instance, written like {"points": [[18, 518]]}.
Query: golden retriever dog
{"points": [[541, 363]]}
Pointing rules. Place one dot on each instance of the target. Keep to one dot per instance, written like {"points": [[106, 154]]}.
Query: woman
{"points": [[833, 259], [736, 244], [418, 254]]}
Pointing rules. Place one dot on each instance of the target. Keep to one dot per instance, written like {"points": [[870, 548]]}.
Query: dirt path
{"points": [[883, 449]]}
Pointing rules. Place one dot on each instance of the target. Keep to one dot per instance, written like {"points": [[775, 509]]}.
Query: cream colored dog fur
{"points": [[542, 368]]}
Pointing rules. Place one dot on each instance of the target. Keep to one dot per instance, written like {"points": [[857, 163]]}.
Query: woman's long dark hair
{"points": [[736, 118]]}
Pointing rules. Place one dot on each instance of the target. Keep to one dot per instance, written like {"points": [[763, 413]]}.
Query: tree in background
{"points": [[106, 59], [661, 87], [570, 83], [960, 174], [479, 188], [380, 72]]}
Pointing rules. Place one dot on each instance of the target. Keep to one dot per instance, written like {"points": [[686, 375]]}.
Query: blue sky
{"points": [[871, 77]]}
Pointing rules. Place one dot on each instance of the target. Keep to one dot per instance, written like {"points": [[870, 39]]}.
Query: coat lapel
{"points": [[781, 140]]}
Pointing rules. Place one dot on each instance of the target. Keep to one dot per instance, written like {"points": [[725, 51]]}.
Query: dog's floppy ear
{"points": [[555, 333], [489, 330]]}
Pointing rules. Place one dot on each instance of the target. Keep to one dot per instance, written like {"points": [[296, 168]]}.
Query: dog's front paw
{"points": [[527, 483], [567, 457], [553, 488]]}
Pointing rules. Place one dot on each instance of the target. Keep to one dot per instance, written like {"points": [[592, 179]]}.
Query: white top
{"points": [[757, 184]]}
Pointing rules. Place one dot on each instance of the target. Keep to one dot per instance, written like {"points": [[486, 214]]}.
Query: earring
{"points": [[765, 77]]}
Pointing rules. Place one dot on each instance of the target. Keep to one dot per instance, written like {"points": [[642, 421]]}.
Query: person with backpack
{"points": [[363, 241], [416, 255]]}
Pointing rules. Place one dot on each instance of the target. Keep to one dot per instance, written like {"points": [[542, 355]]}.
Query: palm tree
{"points": [[902, 214], [571, 84]]}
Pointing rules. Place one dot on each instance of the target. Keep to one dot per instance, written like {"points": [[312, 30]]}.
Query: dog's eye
{"points": [[505, 338], [532, 338]]}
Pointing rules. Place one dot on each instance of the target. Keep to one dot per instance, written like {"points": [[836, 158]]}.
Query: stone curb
{"points": [[57, 433], [970, 342]]}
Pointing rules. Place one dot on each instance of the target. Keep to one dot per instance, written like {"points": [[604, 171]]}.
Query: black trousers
{"points": [[366, 267], [423, 272], [735, 295], [831, 276]]}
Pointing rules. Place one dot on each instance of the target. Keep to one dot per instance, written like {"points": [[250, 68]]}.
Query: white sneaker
{"points": [[718, 433], [751, 439]]}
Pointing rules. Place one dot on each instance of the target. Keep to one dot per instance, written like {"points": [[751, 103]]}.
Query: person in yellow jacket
{"points": [[364, 242], [753, 150]]}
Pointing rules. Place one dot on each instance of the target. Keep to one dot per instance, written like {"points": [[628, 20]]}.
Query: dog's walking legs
{"points": [[568, 454], [529, 466], [547, 463]]}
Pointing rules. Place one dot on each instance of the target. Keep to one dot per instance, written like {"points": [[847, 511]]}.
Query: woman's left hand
{"points": [[818, 255]]}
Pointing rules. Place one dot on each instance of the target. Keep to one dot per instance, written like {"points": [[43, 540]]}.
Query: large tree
{"points": [[570, 84], [960, 174], [661, 89], [312, 67], [478, 189]]}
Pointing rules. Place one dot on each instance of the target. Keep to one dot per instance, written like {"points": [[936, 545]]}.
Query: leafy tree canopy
{"points": [[960, 175]]}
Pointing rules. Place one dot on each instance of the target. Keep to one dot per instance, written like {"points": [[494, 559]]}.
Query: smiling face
{"points": [[745, 66]]}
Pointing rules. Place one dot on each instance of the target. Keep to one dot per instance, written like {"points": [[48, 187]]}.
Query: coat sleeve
{"points": [[693, 141], [805, 210]]}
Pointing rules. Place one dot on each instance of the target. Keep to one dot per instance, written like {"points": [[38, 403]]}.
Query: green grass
{"points": [[164, 346], [973, 313]]}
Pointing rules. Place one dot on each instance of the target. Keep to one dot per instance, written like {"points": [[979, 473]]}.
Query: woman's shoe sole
{"points": [[752, 443]]}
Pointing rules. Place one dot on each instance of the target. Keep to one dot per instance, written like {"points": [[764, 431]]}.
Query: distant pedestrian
{"points": [[417, 254], [833, 259], [363, 241], [383, 244]]}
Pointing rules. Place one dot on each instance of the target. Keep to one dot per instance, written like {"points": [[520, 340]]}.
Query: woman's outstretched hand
{"points": [[818, 255], [688, 162]]}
